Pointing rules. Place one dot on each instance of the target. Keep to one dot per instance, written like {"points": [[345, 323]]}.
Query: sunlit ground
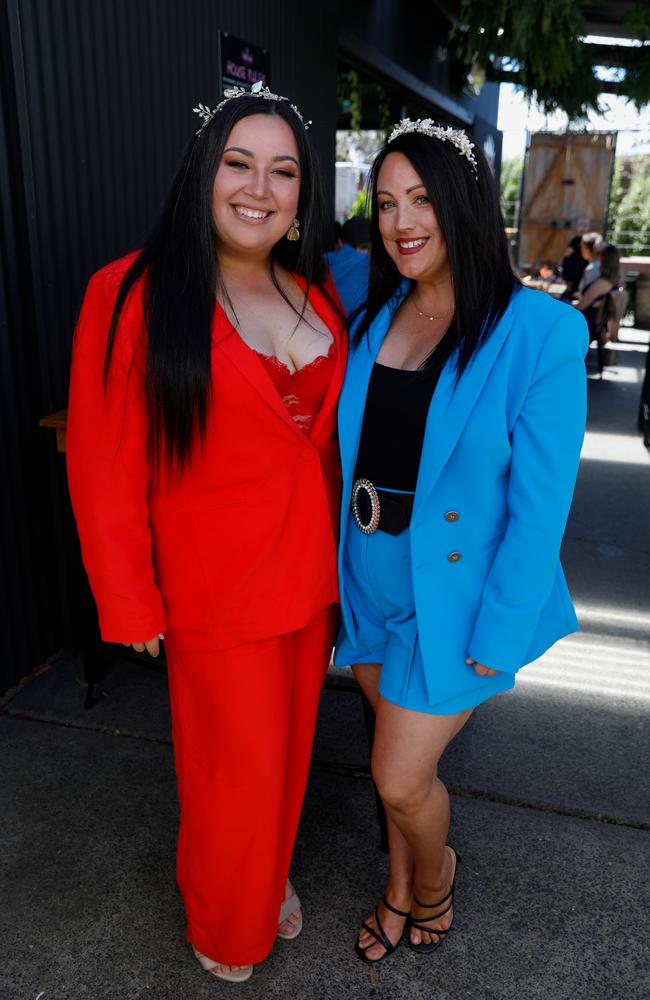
{"points": [[594, 663], [611, 656]]}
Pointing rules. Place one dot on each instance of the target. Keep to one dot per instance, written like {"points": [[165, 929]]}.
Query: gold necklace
{"points": [[425, 316]]}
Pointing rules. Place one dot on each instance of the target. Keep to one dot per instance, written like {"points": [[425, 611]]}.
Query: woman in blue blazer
{"points": [[461, 422]]}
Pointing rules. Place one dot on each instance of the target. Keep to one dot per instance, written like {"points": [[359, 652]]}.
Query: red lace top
{"points": [[302, 391]]}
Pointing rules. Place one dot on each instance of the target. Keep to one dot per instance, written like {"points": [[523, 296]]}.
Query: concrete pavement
{"points": [[551, 811]]}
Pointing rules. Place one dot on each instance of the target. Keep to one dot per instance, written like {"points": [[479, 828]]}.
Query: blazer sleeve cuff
{"points": [[115, 627], [502, 636]]}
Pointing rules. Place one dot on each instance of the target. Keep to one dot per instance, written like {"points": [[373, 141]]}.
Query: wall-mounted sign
{"points": [[242, 64]]}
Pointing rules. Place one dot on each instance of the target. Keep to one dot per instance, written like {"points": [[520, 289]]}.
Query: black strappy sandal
{"points": [[419, 922], [380, 937]]}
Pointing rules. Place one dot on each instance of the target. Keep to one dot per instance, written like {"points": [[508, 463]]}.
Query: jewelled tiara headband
{"points": [[427, 126], [231, 93]]}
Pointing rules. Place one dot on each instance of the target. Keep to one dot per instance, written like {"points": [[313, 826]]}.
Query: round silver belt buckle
{"points": [[375, 506]]}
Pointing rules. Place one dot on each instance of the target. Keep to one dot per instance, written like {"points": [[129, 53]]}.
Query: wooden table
{"points": [[87, 642], [59, 422]]}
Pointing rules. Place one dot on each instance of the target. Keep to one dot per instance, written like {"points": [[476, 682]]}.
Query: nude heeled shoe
{"points": [[238, 974], [290, 905]]}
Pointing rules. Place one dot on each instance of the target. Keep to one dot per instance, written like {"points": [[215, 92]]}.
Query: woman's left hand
{"points": [[480, 668]]}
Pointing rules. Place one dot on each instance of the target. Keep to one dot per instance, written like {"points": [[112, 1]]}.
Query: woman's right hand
{"points": [[152, 646]]}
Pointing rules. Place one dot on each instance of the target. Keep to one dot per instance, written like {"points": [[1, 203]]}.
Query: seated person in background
{"points": [[355, 232], [547, 273], [542, 276], [349, 260], [572, 267], [591, 246], [593, 294]]}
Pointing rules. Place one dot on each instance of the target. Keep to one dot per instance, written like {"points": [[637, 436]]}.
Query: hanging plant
{"points": [[637, 77], [537, 47], [384, 109], [354, 95]]}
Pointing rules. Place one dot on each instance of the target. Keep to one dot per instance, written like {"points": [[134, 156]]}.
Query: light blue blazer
{"points": [[501, 449]]}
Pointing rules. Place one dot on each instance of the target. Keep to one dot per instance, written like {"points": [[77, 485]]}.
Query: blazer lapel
{"points": [[226, 336], [323, 425], [250, 366], [451, 406]]}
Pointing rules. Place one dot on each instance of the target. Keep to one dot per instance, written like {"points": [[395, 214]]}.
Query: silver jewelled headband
{"points": [[231, 93], [427, 126]]}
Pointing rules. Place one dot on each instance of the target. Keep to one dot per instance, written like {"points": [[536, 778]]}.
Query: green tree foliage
{"points": [[510, 186], [537, 45], [621, 179], [360, 205], [637, 78], [511, 178], [629, 207]]}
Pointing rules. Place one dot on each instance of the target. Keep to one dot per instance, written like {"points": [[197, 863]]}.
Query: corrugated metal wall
{"points": [[96, 99], [29, 625]]}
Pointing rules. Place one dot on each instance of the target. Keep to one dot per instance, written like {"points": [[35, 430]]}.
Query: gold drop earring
{"points": [[293, 232]]}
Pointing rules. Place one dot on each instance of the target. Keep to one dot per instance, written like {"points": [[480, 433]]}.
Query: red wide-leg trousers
{"points": [[243, 724]]}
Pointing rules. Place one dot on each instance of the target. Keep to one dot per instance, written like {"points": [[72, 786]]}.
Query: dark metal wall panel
{"points": [[29, 623], [96, 99], [107, 92], [413, 36], [408, 33], [96, 110]]}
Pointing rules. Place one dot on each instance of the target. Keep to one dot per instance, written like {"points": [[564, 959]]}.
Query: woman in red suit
{"points": [[204, 475]]}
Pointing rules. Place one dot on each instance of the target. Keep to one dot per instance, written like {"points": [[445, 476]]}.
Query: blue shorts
{"points": [[379, 589]]}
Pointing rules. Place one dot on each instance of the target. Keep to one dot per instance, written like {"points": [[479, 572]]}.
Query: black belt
{"points": [[380, 510]]}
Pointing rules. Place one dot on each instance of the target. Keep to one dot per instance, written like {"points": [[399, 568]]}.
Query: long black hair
{"points": [[181, 274], [609, 263], [466, 206]]}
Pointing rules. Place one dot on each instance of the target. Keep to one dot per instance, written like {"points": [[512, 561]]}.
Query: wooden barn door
{"points": [[565, 191]]}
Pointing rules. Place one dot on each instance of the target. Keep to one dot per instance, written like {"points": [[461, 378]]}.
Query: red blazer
{"points": [[243, 545]]}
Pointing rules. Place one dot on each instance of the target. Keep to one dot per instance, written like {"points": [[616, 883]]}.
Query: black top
{"points": [[393, 427], [573, 266]]}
